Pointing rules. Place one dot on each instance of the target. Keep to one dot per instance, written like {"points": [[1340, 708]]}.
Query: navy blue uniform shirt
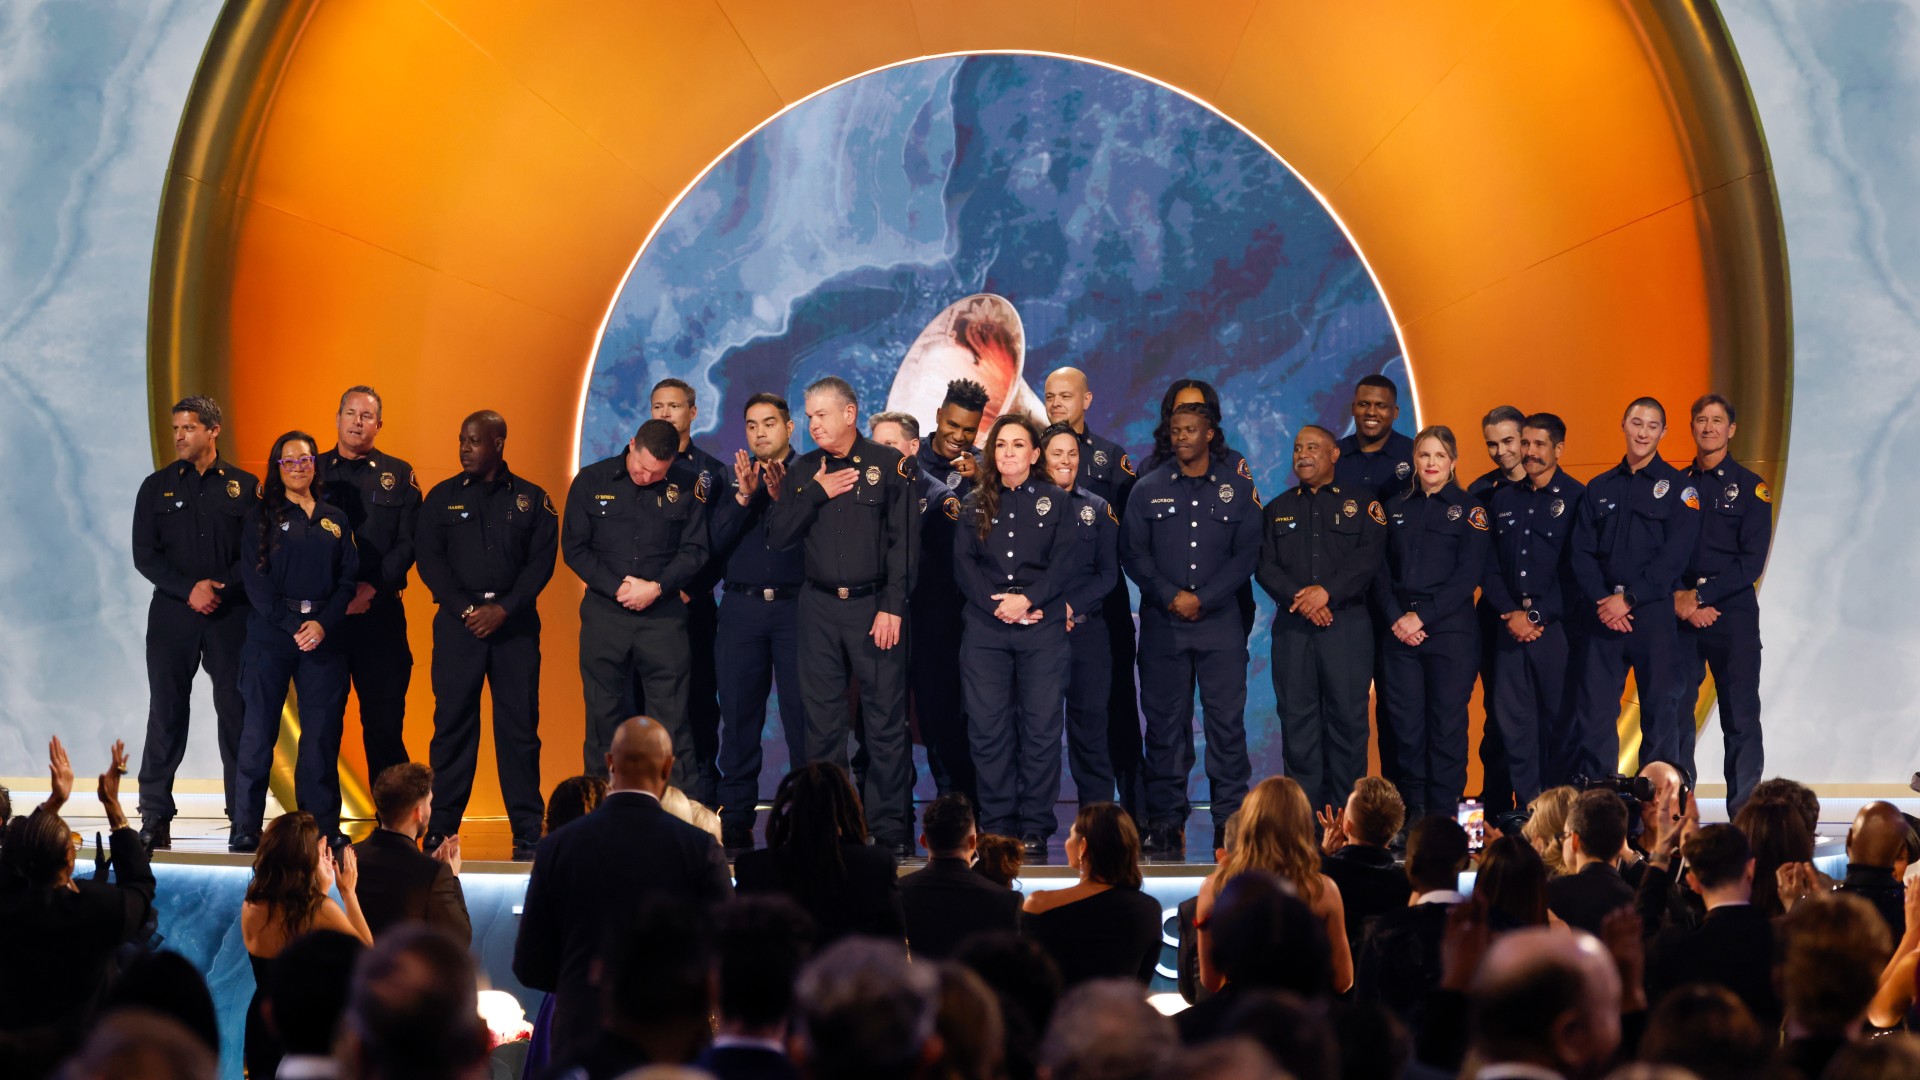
{"points": [[478, 537], [1381, 473], [1105, 470], [931, 573], [1436, 549], [1330, 538], [1484, 485], [1197, 533], [1635, 533], [719, 490], [740, 545], [865, 536], [941, 469], [1027, 548], [312, 559], [1531, 563], [615, 529], [381, 498], [187, 527], [1094, 560], [1736, 531]]}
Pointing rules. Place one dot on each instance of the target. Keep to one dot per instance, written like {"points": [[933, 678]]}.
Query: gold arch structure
{"points": [[1566, 205]]}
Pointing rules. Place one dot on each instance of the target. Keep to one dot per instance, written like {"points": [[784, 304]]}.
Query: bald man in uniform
{"points": [[1879, 837]]}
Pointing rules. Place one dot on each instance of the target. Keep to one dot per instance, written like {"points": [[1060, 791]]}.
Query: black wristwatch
{"points": [[1533, 616]]}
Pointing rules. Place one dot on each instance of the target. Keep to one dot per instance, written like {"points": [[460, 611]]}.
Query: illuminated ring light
{"points": [[1565, 206]]}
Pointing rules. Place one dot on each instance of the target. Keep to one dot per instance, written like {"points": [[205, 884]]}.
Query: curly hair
{"points": [[574, 798], [815, 810], [273, 495], [286, 872], [1276, 835]]}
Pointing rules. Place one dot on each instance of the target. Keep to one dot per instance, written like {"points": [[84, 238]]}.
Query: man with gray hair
{"points": [[865, 1011], [1105, 1030]]}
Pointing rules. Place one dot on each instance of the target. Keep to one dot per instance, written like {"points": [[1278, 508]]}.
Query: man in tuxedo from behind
{"points": [[588, 875], [946, 901], [398, 884], [761, 942]]}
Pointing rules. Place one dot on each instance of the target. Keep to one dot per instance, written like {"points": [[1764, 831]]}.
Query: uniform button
{"points": [[1009, 554], [1523, 573], [1191, 566], [1196, 543], [1196, 524]]}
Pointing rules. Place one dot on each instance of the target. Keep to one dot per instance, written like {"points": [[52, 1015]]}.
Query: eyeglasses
{"points": [[303, 462]]}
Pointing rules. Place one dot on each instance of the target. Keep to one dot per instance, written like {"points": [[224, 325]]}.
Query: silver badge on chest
{"points": [[1100, 458], [1454, 512], [1559, 507], [1660, 489], [1226, 493], [1086, 515], [873, 476], [1042, 506], [1402, 470]]}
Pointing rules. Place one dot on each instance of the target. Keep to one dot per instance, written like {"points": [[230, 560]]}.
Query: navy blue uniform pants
{"points": [[1650, 650], [380, 662], [621, 648], [507, 662], [1320, 676], [836, 646], [933, 679], [757, 636], [181, 641], [1497, 785], [1731, 649], [1015, 676], [1089, 693], [1428, 686], [703, 695], [1530, 694], [1176, 657], [1124, 745], [268, 661]]}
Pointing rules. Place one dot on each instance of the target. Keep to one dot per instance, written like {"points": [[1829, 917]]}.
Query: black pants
{"points": [[1015, 678], [1530, 690], [758, 638], [1125, 733], [1320, 676], [1428, 687], [703, 695], [1650, 650], [381, 664], [1089, 692], [1731, 649], [835, 646], [1497, 786], [180, 641], [508, 663], [933, 683], [268, 660], [1176, 657], [619, 647]]}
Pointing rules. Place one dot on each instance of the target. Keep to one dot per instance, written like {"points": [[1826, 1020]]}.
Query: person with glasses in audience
{"points": [[300, 569]]}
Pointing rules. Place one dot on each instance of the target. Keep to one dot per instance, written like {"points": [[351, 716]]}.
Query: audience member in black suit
{"points": [[1105, 1030], [864, 1011], [59, 935], [1187, 957], [817, 853], [1733, 945], [1400, 960], [1027, 982], [1832, 948], [760, 944], [1262, 937], [1104, 927], [398, 884], [1353, 846], [412, 1013], [309, 996], [946, 901], [653, 988], [586, 875], [1512, 878], [1876, 842], [572, 799], [1706, 1030], [1592, 889]]}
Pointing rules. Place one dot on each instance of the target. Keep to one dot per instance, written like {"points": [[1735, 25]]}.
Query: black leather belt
{"points": [[1014, 590], [847, 592], [777, 592], [303, 607]]}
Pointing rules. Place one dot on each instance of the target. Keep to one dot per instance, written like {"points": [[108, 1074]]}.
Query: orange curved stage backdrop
{"points": [[1567, 204]]}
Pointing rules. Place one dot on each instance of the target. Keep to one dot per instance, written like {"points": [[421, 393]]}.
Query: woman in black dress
{"points": [[1104, 927], [817, 854]]}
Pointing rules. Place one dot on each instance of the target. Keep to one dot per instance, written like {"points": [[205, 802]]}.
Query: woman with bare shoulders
{"points": [[1276, 835], [293, 872], [1103, 926]]}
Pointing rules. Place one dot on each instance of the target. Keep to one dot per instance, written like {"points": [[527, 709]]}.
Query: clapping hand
{"points": [[746, 477], [449, 852], [59, 774], [1333, 830], [109, 787]]}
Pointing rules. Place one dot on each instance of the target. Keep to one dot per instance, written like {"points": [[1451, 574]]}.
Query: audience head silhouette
{"points": [[1104, 1030], [286, 871], [412, 1012], [1878, 837], [1436, 854], [1264, 935], [1105, 845], [1549, 999], [864, 1011]]}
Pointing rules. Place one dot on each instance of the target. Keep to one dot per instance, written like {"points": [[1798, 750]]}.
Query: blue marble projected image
{"points": [[1136, 234]]}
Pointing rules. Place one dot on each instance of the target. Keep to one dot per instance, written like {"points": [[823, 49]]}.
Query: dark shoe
{"points": [[736, 839], [1165, 842], [1034, 845], [904, 851], [522, 852], [244, 843], [433, 842], [156, 835]]}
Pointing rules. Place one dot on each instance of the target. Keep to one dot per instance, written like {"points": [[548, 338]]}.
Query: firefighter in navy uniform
{"points": [[1319, 552], [674, 401], [187, 541], [947, 454], [299, 564], [933, 621], [851, 503], [1107, 472], [1526, 585], [1093, 567], [1718, 609], [1012, 554], [381, 497], [1501, 427], [486, 545], [1189, 540], [1437, 539], [759, 620], [1631, 543], [635, 532]]}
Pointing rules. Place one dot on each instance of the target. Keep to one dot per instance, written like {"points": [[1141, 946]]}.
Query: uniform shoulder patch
{"points": [[1691, 497], [1126, 466], [1256, 495], [413, 480], [702, 486], [1378, 515], [1478, 518], [950, 504], [547, 501], [1761, 492], [1246, 471], [901, 468], [1111, 516]]}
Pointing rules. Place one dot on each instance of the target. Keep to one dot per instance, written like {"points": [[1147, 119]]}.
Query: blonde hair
{"points": [[1548, 821], [1276, 835]]}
